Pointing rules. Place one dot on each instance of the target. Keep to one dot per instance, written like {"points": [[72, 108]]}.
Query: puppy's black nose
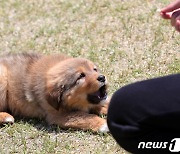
{"points": [[101, 78]]}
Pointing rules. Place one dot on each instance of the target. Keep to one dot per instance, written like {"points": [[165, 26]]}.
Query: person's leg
{"points": [[146, 111]]}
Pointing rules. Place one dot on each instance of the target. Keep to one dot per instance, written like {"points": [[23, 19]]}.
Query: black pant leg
{"points": [[146, 111]]}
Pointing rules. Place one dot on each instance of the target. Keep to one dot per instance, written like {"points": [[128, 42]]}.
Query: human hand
{"points": [[172, 12]]}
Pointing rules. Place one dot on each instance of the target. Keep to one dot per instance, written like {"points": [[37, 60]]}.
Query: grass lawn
{"points": [[127, 39]]}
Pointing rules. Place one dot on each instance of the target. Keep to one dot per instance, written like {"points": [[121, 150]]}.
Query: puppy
{"points": [[69, 92]]}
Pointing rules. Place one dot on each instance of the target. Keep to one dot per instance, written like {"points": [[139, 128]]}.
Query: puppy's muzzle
{"points": [[101, 94]]}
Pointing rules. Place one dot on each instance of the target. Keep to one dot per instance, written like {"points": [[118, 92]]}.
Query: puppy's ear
{"points": [[54, 97]]}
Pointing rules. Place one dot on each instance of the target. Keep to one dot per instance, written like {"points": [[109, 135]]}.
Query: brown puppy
{"points": [[62, 90]]}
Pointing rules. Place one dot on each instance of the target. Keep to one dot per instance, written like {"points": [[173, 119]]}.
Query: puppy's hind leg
{"points": [[4, 117]]}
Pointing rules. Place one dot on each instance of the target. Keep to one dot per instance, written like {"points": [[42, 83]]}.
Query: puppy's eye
{"points": [[82, 75], [95, 69]]}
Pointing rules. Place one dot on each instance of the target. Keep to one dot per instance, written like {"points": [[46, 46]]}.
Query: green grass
{"points": [[127, 39]]}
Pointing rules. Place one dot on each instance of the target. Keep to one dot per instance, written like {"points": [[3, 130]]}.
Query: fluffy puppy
{"points": [[65, 91]]}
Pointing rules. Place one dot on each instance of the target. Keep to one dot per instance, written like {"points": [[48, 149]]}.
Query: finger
{"points": [[166, 15], [177, 25], [175, 16], [171, 7]]}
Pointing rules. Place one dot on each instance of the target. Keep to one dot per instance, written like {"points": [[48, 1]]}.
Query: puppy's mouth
{"points": [[98, 96]]}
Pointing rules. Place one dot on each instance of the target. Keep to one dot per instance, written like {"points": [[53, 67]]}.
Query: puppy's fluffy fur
{"points": [[60, 89]]}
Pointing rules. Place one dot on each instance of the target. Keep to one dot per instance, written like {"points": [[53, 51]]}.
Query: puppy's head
{"points": [[76, 84]]}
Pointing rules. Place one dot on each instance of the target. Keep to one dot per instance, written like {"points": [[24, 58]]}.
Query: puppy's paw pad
{"points": [[104, 128]]}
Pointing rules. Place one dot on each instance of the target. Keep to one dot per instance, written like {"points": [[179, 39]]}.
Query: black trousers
{"points": [[144, 117]]}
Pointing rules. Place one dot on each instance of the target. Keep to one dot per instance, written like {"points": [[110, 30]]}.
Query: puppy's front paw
{"points": [[103, 110], [104, 128]]}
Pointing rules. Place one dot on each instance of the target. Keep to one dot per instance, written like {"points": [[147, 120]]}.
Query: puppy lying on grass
{"points": [[69, 92]]}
